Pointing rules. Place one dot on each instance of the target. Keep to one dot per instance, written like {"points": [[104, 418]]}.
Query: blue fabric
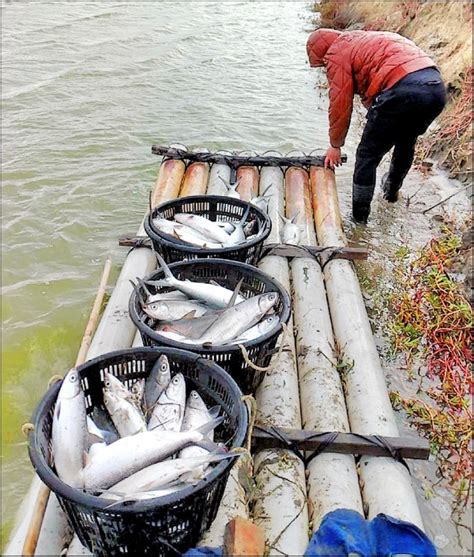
{"points": [[203, 552], [343, 531]]}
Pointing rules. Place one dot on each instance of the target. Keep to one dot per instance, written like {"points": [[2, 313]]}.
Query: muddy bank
{"points": [[444, 31]]}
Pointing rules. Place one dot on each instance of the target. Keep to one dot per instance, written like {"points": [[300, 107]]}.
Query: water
{"points": [[87, 88]]}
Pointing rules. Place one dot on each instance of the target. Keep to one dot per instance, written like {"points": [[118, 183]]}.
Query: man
{"points": [[403, 91]]}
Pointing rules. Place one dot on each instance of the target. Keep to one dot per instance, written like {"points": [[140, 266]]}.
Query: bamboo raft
{"points": [[328, 378]]}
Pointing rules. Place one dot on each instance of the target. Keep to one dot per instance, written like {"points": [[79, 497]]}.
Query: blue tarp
{"points": [[342, 532]]}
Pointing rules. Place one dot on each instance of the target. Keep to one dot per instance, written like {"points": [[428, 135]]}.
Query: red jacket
{"points": [[363, 63]]}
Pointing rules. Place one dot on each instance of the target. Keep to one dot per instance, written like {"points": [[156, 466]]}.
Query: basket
{"points": [[229, 357], [165, 526], [215, 208]]}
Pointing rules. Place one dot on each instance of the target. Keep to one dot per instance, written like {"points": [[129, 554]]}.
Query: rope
{"points": [[274, 361], [27, 428], [251, 403]]}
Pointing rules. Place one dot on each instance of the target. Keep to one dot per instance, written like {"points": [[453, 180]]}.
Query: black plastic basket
{"points": [[229, 357], [215, 208], [165, 526]]}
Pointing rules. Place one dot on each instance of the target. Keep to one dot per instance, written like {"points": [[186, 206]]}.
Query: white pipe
{"points": [[280, 502], [218, 173], [332, 478], [386, 483]]}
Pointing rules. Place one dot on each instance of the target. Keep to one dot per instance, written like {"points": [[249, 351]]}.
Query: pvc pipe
{"points": [[280, 504], [385, 482], [116, 330], [332, 478], [218, 173], [195, 179], [248, 182]]}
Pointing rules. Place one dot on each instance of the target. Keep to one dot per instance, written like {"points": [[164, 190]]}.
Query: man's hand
{"points": [[333, 157]]}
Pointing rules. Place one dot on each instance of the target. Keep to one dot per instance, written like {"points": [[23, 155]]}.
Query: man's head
{"points": [[318, 44]]}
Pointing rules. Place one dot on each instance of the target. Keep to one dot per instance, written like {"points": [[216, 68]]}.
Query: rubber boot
{"points": [[390, 191], [360, 211]]}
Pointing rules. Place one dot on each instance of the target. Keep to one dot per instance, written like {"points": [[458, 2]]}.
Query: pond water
{"points": [[87, 87]]}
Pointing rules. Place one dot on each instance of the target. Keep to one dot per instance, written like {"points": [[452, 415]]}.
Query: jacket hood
{"points": [[318, 44]]}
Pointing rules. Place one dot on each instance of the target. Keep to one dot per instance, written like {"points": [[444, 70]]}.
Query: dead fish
{"points": [[291, 231], [69, 431], [130, 454], [157, 381], [166, 472], [98, 435], [258, 330], [174, 310], [197, 414], [126, 417], [168, 412], [233, 321], [115, 386], [216, 296], [138, 390], [209, 229], [262, 201], [231, 188]]}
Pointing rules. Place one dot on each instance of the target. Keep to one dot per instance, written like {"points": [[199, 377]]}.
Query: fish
{"points": [[291, 231], [156, 382], [190, 328], [138, 390], [227, 226], [127, 418], [235, 320], [238, 235], [184, 233], [114, 385], [69, 430], [262, 201], [214, 295], [173, 310], [257, 331], [173, 295], [207, 228], [168, 412], [197, 414], [231, 188], [166, 472], [130, 454]]}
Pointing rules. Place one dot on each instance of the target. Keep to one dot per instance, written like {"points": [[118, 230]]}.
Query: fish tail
{"points": [[245, 215], [164, 266], [210, 425]]}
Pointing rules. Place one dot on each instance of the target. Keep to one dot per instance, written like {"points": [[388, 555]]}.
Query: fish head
{"points": [[164, 371], [111, 401], [71, 385], [268, 300], [114, 385], [195, 402], [176, 390], [269, 322], [138, 387], [157, 310]]}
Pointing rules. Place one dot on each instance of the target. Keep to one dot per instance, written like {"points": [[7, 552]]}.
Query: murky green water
{"points": [[87, 88]]}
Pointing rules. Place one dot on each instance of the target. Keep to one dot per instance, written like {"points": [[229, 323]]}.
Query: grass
{"points": [[432, 321]]}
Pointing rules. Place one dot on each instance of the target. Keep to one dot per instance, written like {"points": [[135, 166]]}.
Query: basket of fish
{"points": [[227, 311], [137, 446], [205, 226]]}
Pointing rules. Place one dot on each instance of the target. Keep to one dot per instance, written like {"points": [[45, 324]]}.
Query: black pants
{"points": [[396, 119]]}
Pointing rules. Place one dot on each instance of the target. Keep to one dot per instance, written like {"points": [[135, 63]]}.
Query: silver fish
{"points": [[204, 226], [257, 331], [69, 433], [126, 417], [229, 227], [138, 390], [114, 385], [196, 414], [262, 201], [216, 296], [190, 328], [291, 231], [173, 310], [231, 188], [163, 473], [128, 455], [156, 382], [235, 320], [184, 233], [168, 412]]}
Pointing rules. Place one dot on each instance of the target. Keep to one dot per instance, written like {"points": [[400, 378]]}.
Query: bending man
{"points": [[403, 91]]}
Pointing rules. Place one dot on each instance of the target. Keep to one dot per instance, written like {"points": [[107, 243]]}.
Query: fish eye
{"points": [[194, 394], [175, 379], [73, 378], [163, 367]]}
